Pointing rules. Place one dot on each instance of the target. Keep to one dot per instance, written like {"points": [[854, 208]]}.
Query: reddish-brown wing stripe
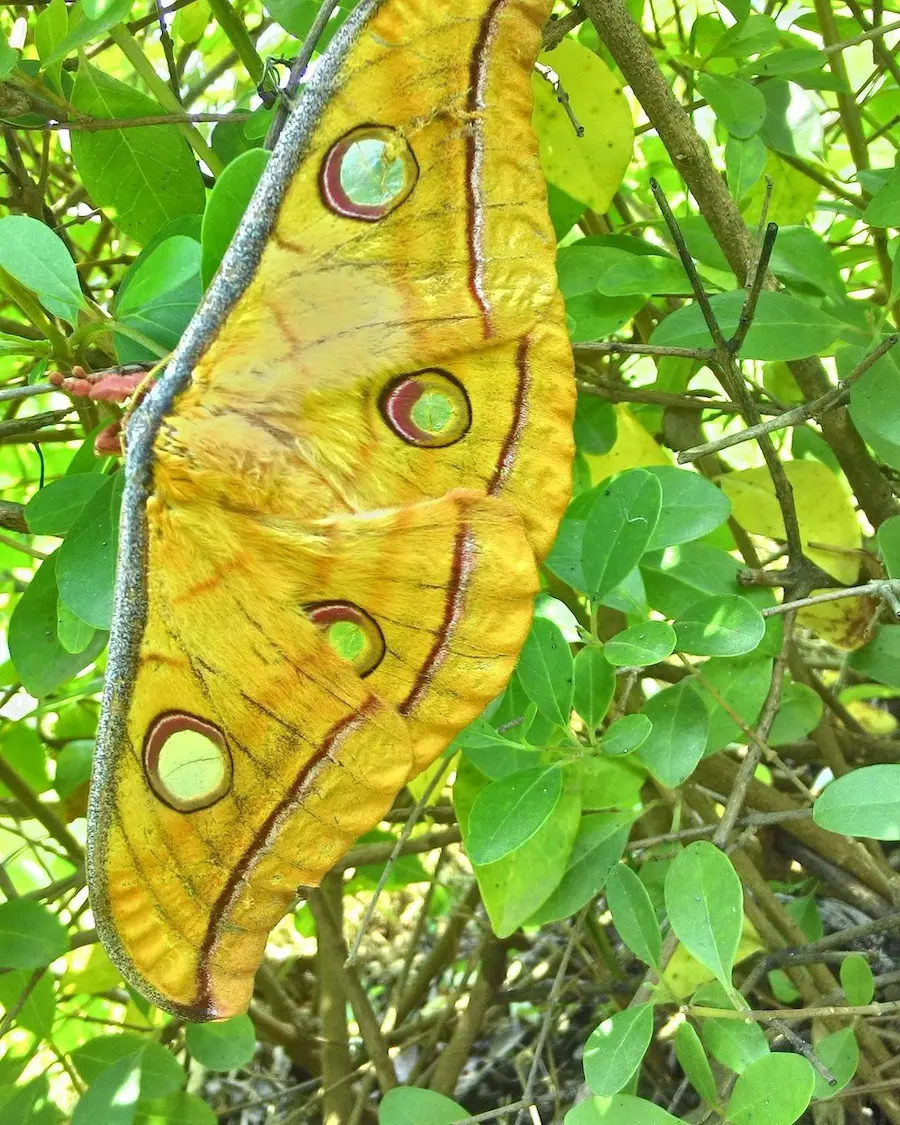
{"points": [[475, 195], [520, 417], [460, 579], [264, 840]]}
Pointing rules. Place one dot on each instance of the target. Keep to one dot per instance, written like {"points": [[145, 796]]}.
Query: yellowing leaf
{"points": [[826, 518], [873, 720], [847, 623], [90, 970], [591, 167], [793, 195], [683, 974], [190, 22], [634, 448], [823, 508]]}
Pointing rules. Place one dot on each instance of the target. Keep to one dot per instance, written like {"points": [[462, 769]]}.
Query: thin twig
{"points": [[885, 588], [837, 395], [298, 69], [97, 125], [398, 847]]}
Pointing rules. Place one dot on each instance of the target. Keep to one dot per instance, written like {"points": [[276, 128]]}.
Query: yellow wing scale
{"points": [[277, 480]]}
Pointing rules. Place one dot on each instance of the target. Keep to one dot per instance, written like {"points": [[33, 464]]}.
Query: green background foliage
{"points": [[646, 841]]}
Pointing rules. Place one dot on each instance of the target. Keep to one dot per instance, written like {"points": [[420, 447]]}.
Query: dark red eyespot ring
{"points": [[368, 173], [187, 761], [351, 632], [429, 408]]}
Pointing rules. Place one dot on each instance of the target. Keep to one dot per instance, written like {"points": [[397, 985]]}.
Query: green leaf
{"points": [[618, 529], [646, 643], [55, 507], [31, 1104], [784, 326], [626, 734], [146, 176], [160, 1072], [87, 557], [693, 1061], [745, 162], [96, 9], [227, 204], [23, 749], [112, 1097], [723, 625], [37, 257], [677, 578], [595, 424], [616, 1048], [493, 754], [174, 1109], [889, 545], [872, 402], [514, 887], [598, 846], [743, 683], [884, 207], [857, 980], [787, 62], [510, 811], [74, 634], [775, 1089], [691, 507], [8, 57], [41, 662], [680, 731], [227, 1045], [85, 30], [739, 106], [748, 37], [406, 1105], [880, 658], [73, 766], [704, 901], [802, 256], [594, 685], [594, 315], [633, 914], [37, 1013], [621, 1109], [798, 713], [864, 802], [735, 1043], [838, 1053], [587, 266], [545, 670], [31, 936], [158, 297]]}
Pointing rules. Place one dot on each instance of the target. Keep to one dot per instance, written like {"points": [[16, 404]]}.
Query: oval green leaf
{"points": [[31, 936], [626, 735], [618, 528], [222, 1046], [646, 643], [545, 671], [705, 901], [508, 812], [680, 731], [775, 1089], [633, 914], [616, 1048], [864, 802], [723, 625], [595, 685]]}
